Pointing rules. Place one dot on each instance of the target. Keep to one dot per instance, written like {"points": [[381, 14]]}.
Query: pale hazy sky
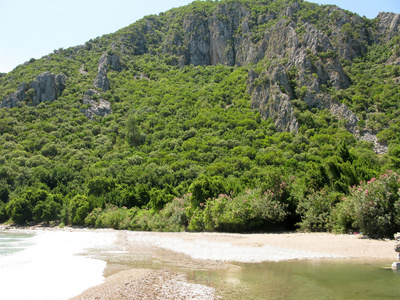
{"points": [[34, 28]]}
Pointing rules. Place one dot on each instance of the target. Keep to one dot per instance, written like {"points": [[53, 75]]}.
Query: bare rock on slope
{"points": [[46, 87], [97, 106], [107, 60]]}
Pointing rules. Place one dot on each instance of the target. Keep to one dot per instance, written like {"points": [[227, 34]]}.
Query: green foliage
{"points": [[19, 210], [133, 133], [251, 210], [3, 212], [78, 209], [98, 186], [373, 207], [204, 188], [189, 130], [316, 211], [46, 211], [111, 217]]}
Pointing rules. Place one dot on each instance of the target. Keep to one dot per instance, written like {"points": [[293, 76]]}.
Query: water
{"points": [[60, 265], [314, 279], [323, 279], [50, 265], [14, 242]]}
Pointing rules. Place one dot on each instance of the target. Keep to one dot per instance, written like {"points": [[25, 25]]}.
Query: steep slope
{"points": [[308, 39]]}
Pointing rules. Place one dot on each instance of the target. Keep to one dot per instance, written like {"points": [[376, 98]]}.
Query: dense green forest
{"points": [[183, 143]]}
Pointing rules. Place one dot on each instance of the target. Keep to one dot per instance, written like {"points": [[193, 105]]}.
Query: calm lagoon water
{"points": [[319, 279], [313, 279]]}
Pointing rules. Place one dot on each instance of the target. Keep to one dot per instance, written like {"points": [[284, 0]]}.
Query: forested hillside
{"points": [[231, 115]]}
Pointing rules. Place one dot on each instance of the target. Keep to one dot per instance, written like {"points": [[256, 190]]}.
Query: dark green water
{"points": [[304, 280]]}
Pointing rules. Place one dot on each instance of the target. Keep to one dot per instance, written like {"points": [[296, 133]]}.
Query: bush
{"points": [[251, 210], [3, 212], [78, 209], [315, 211], [172, 218], [373, 207], [111, 217], [19, 210], [47, 210], [204, 188]]}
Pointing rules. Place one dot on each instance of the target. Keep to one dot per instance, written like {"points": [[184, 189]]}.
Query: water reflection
{"points": [[308, 279], [319, 279]]}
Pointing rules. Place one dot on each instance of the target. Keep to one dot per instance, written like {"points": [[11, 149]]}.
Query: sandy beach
{"points": [[218, 251], [151, 265]]}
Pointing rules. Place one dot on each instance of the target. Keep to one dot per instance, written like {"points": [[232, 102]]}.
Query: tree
{"points": [[19, 210], [47, 210], [98, 186], [204, 188], [78, 209], [133, 133]]}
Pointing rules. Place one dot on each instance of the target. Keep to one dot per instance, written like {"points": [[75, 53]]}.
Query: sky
{"points": [[35, 28]]}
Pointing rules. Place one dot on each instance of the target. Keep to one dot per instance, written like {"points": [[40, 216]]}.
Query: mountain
{"points": [[285, 97]]}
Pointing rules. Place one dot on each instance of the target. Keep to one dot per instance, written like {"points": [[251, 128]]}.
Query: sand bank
{"points": [[217, 251]]}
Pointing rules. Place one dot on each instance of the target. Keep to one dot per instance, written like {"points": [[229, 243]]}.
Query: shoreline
{"points": [[303, 245], [150, 265]]}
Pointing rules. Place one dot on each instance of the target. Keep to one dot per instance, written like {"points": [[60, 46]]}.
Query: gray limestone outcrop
{"points": [[46, 87], [97, 105], [272, 91], [369, 136], [107, 60], [388, 25], [271, 94], [13, 99]]}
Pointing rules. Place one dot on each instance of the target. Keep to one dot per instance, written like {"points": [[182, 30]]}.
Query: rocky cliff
{"points": [[290, 36], [106, 61], [46, 87]]}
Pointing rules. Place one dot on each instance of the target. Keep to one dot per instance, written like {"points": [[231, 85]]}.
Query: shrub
{"points": [[203, 188], [315, 211], [3, 212], [47, 210], [251, 210], [373, 207], [111, 217], [19, 210], [78, 209]]}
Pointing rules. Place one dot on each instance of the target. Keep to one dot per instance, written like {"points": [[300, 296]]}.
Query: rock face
{"points": [[231, 35], [13, 99], [217, 41], [227, 36], [98, 106], [46, 87], [271, 94], [388, 25], [107, 60], [272, 91]]}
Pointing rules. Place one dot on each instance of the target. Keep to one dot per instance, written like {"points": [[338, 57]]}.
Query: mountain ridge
{"points": [[219, 31]]}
